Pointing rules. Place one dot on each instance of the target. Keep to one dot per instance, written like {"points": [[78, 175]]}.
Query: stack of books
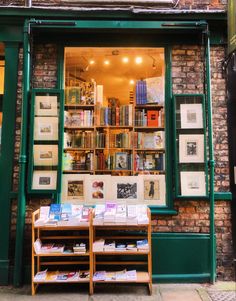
{"points": [[110, 212], [122, 275], [142, 245], [79, 248], [109, 246], [63, 215], [98, 245]]}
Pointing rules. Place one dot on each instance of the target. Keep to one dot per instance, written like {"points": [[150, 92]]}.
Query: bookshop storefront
{"points": [[120, 111]]}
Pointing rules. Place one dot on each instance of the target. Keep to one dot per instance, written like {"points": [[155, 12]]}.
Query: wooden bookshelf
{"points": [[142, 276], [40, 261]]}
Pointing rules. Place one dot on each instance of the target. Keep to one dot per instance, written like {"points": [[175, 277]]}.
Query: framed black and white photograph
{"points": [[97, 188], [127, 188], [45, 128], [46, 105], [193, 183], [73, 188], [121, 160], [154, 189], [191, 116], [45, 155], [44, 179], [191, 148]]}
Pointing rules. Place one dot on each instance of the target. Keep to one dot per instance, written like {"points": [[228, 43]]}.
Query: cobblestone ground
{"points": [[222, 296]]}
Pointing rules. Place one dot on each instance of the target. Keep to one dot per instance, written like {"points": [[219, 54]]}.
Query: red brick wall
{"points": [[183, 4]]}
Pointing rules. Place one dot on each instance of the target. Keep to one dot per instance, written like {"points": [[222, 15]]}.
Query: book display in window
{"points": [[46, 142], [114, 126], [191, 152]]}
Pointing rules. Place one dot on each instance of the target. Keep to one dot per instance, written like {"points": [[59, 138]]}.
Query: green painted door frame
{"points": [[7, 154]]}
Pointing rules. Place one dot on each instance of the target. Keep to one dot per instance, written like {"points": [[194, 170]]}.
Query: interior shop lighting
{"points": [[138, 60], [125, 59], [106, 62], [131, 82]]}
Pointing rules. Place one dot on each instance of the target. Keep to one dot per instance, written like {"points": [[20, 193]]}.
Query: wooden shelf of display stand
{"points": [[142, 277], [37, 259], [113, 170]]}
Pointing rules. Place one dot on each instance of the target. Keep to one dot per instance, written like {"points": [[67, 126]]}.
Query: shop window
{"points": [[2, 71], [114, 125]]}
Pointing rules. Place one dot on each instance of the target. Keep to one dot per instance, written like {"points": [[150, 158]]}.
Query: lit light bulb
{"points": [[106, 62], [125, 59], [131, 82], [91, 62], [138, 60]]}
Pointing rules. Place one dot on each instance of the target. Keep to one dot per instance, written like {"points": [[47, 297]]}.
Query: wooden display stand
{"points": [[122, 233], [88, 231], [61, 234]]}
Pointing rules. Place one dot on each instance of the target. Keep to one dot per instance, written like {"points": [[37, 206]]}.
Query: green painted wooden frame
{"points": [[60, 94], [7, 154], [176, 155], [168, 208]]}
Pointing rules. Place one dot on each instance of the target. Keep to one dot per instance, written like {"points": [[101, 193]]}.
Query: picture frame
{"points": [[97, 188], [45, 155], [127, 188], [191, 148], [45, 128], [46, 105], [154, 189], [44, 180], [191, 116], [193, 183], [73, 189], [121, 161]]}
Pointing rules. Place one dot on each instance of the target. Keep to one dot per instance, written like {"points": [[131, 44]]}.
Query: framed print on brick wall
{"points": [[191, 148], [191, 116], [193, 183]]}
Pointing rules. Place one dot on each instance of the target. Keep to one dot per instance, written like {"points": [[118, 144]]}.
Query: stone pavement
{"points": [[221, 291]]}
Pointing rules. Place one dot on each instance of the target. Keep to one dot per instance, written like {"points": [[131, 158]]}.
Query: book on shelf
{"points": [[142, 216], [121, 213], [109, 246], [142, 245], [155, 90], [141, 92], [67, 276], [84, 275], [55, 212], [121, 275], [37, 246], [120, 247], [40, 276], [110, 212], [66, 211], [99, 276], [51, 276], [72, 95], [43, 215], [79, 248], [152, 118], [99, 214], [57, 248], [115, 115], [110, 276], [132, 215], [98, 245], [149, 161], [131, 275], [131, 246], [153, 140]]}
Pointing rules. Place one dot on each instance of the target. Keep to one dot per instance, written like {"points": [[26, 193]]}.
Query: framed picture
{"points": [[191, 148], [193, 183], [121, 161], [46, 105], [73, 189], [154, 189], [97, 188], [46, 128], [44, 179], [191, 116], [45, 155], [128, 188]]}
